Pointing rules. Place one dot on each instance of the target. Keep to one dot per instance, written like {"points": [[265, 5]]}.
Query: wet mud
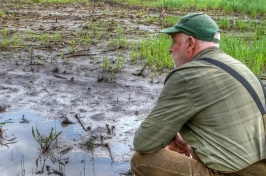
{"points": [[62, 81]]}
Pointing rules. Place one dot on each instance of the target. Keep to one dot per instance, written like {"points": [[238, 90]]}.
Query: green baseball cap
{"points": [[198, 25]]}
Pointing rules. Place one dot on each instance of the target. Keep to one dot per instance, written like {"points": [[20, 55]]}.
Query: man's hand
{"points": [[178, 144]]}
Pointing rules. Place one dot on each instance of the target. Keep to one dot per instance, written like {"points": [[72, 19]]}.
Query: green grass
{"points": [[240, 24], [7, 41], [119, 41], [250, 50], [224, 23], [43, 140], [246, 6], [251, 7], [109, 68], [97, 31], [242, 37], [154, 51], [2, 13]]}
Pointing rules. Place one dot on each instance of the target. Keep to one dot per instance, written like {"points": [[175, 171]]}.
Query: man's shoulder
{"points": [[199, 69], [190, 70]]}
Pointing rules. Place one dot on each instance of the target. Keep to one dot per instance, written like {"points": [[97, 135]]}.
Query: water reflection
{"points": [[23, 155], [4, 139]]}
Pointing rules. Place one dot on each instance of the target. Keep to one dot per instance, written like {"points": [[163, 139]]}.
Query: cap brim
{"points": [[170, 30]]}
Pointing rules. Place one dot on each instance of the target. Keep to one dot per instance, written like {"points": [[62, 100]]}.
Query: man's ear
{"points": [[191, 47], [191, 44]]}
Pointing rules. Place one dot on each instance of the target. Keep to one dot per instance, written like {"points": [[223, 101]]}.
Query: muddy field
{"points": [[53, 64], [63, 80]]}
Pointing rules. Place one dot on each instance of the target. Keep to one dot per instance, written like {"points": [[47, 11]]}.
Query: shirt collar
{"points": [[201, 53]]}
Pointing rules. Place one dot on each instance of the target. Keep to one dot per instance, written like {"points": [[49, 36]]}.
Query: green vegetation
{"points": [[110, 68], [2, 13], [93, 31], [243, 38], [250, 51], [45, 141], [245, 6], [4, 42], [154, 51], [120, 40], [253, 8], [224, 23], [242, 23]]}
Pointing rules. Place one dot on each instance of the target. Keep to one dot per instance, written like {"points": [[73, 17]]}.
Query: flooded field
{"points": [[22, 155], [68, 67], [54, 69]]}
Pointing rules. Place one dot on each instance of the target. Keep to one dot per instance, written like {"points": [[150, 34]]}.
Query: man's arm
{"points": [[174, 107]]}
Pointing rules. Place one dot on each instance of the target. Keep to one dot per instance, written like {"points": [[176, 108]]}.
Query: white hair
{"points": [[205, 44]]}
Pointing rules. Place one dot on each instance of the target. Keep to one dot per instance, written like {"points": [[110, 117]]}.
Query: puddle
{"points": [[23, 155]]}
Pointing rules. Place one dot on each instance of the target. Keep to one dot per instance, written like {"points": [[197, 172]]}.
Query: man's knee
{"points": [[135, 162], [135, 159]]}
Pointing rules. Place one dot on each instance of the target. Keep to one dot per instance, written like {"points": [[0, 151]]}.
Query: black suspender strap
{"points": [[242, 80], [264, 90]]}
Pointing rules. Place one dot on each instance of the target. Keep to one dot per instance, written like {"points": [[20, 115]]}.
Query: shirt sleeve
{"points": [[173, 109]]}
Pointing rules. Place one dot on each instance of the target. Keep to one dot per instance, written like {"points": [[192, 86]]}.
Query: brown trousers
{"points": [[169, 163]]}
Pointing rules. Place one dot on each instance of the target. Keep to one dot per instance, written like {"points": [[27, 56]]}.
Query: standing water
{"points": [[21, 154]]}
